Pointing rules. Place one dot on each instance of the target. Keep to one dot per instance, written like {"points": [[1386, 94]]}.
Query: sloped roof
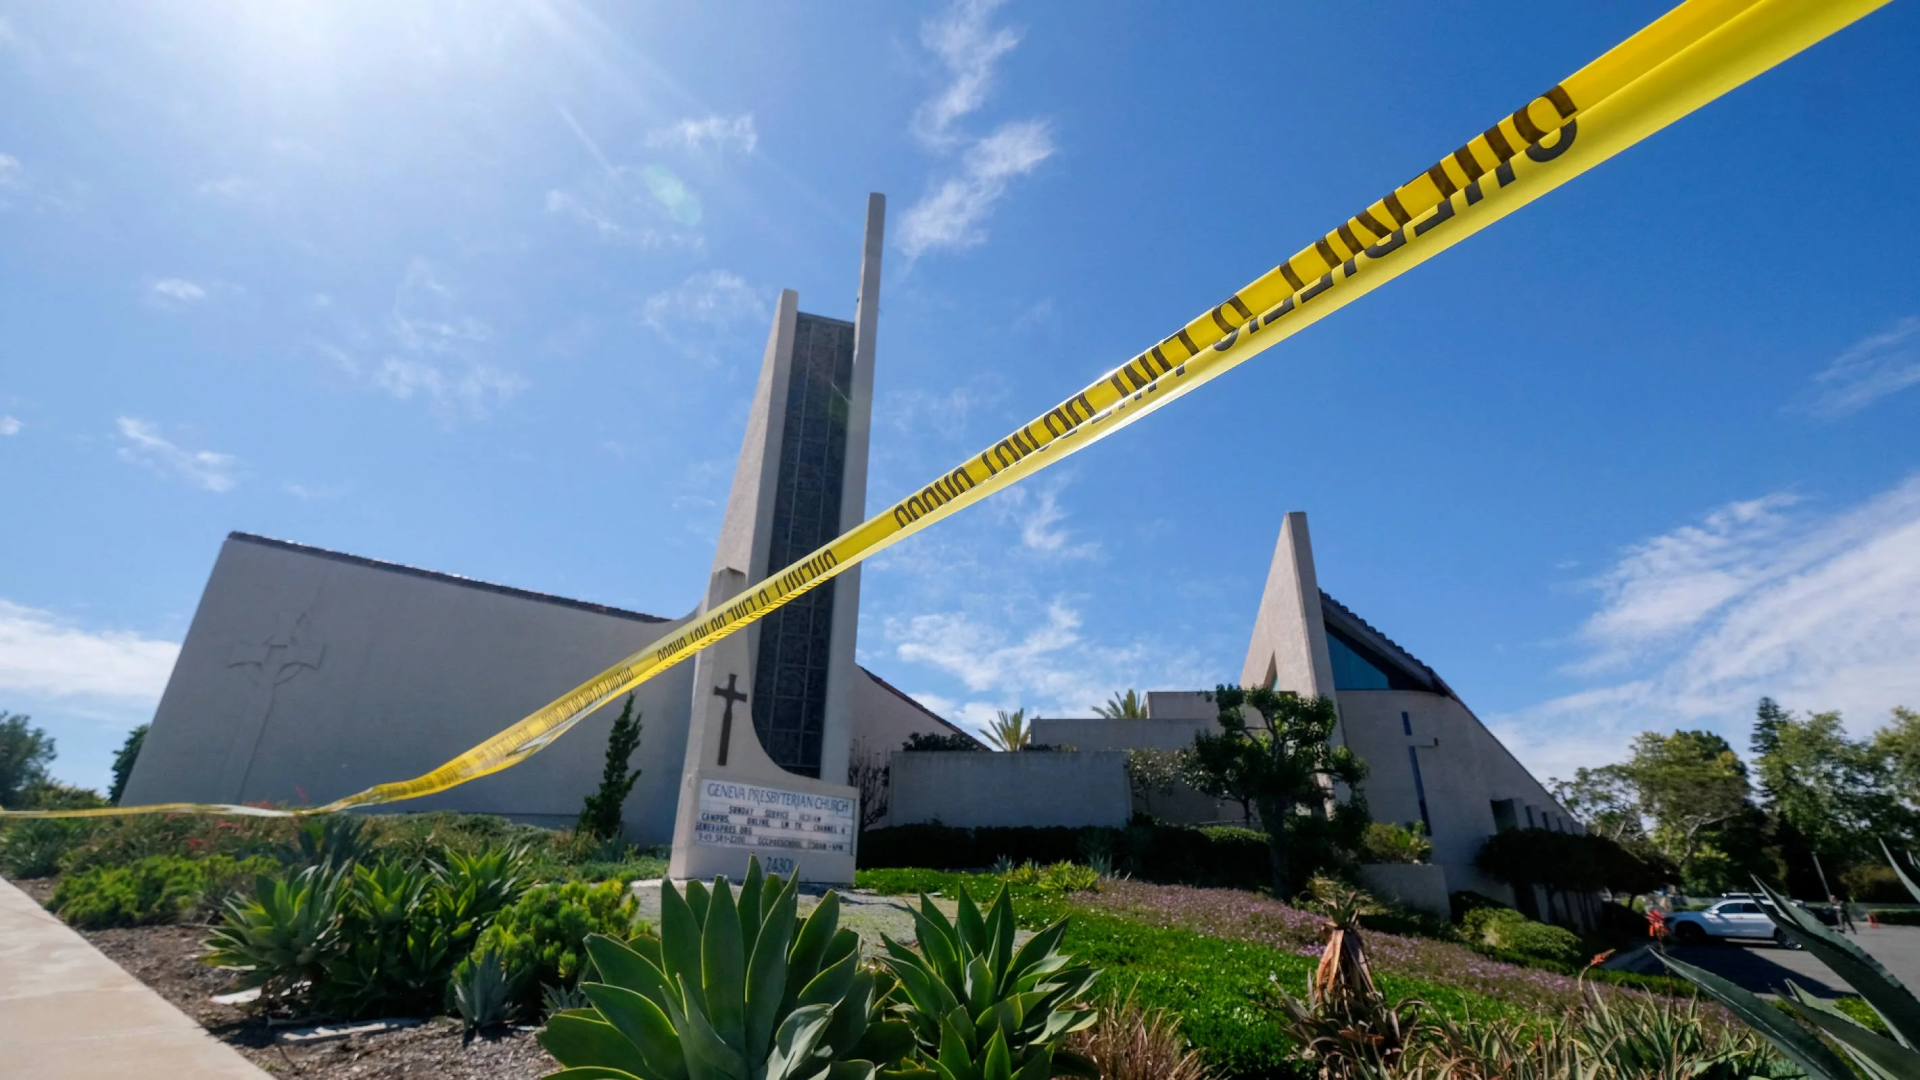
{"points": [[1343, 618], [450, 579]]}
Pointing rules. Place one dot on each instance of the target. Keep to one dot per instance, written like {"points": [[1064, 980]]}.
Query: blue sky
{"points": [[482, 286]]}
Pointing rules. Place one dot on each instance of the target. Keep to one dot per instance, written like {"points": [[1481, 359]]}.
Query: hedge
{"points": [[1897, 916], [1218, 855]]}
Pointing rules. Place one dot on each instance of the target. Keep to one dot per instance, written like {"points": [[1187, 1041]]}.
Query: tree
{"points": [[1605, 799], [1153, 772], [1128, 706], [1010, 731], [1567, 862], [1831, 790], [1689, 782], [25, 753], [1285, 767], [600, 817], [872, 777], [1898, 747], [927, 742], [123, 761]]}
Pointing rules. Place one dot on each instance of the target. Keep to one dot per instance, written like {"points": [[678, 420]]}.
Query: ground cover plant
{"points": [[158, 889]]}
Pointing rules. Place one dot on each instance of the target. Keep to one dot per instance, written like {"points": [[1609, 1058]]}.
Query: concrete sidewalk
{"points": [[69, 1013]]}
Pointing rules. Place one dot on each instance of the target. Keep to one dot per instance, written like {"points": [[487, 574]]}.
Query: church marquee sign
{"points": [[782, 827]]}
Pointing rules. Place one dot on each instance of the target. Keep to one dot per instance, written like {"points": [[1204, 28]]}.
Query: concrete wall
{"points": [[1098, 733], [1032, 789], [1464, 769], [1422, 887], [1182, 805], [398, 670]]}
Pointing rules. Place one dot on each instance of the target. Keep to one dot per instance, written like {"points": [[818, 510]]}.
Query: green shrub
{"points": [[1068, 877], [334, 840], [52, 795], [34, 849], [161, 889], [1385, 842], [120, 841], [403, 929], [1224, 856], [367, 939], [1897, 916], [1506, 930], [540, 938]]}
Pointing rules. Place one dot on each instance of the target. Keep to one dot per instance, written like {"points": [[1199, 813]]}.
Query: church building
{"points": [[308, 674]]}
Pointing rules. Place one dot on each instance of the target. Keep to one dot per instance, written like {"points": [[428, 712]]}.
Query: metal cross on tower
{"points": [[732, 694]]}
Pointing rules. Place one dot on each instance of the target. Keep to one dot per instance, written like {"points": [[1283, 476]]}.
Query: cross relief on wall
{"points": [[270, 663]]}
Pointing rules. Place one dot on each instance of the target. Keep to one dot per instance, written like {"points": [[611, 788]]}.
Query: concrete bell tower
{"points": [[772, 718]]}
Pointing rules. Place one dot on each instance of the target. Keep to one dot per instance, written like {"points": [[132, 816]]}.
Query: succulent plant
{"points": [[285, 932], [978, 1008], [735, 988]]}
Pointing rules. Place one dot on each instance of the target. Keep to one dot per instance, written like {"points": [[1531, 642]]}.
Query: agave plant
{"points": [[483, 995], [1877, 1056], [284, 933], [981, 1010], [735, 988], [335, 840]]}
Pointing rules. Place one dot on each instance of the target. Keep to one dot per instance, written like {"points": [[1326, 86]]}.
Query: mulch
{"points": [[167, 958]]}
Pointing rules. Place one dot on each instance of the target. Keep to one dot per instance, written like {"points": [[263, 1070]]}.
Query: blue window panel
{"points": [[1351, 671]]}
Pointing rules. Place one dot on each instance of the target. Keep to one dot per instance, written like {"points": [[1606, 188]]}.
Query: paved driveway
{"points": [[1765, 968]]}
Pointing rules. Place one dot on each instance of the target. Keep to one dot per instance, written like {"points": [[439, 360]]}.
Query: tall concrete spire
{"points": [[772, 708], [837, 740]]}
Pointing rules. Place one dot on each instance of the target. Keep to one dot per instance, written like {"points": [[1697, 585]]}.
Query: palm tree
{"points": [[1128, 706], [1010, 731]]}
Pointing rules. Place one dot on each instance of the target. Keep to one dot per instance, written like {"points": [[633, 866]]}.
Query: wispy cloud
{"points": [[1662, 588], [174, 294], [1043, 663], [10, 426], [433, 349], [43, 655], [142, 444], [1870, 369], [969, 50], [708, 313], [952, 214], [716, 133], [945, 412], [1037, 513], [12, 175], [1762, 597], [236, 189]]}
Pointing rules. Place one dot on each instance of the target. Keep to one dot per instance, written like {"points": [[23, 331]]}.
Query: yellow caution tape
{"points": [[1687, 58]]}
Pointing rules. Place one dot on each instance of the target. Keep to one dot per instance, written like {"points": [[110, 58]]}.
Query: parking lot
{"points": [[1764, 968]]}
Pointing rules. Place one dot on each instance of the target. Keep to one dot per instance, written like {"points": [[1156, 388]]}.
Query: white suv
{"points": [[1734, 917]]}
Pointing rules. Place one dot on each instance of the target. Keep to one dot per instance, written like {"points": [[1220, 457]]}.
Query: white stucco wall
{"points": [[884, 717], [1465, 769], [1422, 886], [412, 668], [1033, 789]]}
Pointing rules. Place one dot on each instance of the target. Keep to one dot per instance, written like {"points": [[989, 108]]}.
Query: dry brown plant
{"points": [[1132, 1043]]}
